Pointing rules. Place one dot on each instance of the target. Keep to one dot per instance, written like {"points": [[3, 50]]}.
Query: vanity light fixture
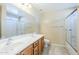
{"points": [[27, 5]]}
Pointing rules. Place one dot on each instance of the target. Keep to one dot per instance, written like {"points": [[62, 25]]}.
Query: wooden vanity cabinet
{"points": [[28, 50], [34, 49], [41, 45], [36, 43]]}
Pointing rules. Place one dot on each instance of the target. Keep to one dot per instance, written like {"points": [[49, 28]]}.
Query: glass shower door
{"points": [[71, 30], [68, 24]]}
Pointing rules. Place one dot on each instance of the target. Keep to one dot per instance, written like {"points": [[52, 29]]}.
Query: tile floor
{"points": [[55, 50]]}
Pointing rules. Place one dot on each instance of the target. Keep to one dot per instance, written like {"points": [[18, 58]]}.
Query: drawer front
{"points": [[36, 43], [28, 50], [36, 51]]}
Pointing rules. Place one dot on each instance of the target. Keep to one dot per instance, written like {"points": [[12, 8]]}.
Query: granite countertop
{"points": [[18, 43]]}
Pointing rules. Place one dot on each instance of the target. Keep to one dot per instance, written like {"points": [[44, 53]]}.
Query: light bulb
{"points": [[30, 6]]}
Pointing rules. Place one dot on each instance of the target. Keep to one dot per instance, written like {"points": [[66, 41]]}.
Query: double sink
{"points": [[16, 44]]}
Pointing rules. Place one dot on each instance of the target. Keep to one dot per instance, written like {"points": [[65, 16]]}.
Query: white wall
{"points": [[52, 25]]}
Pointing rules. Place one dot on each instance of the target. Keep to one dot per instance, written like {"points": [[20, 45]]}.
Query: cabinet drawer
{"points": [[28, 50], [36, 51], [36, 43]]}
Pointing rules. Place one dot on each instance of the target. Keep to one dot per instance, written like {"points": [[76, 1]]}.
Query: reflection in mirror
{"points": [[16, 22]]}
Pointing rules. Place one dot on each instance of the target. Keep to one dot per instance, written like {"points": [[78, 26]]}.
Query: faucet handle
{"points": [[8, 41]]}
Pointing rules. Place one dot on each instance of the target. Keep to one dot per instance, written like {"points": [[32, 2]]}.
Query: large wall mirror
{"points": [[16, 22]]}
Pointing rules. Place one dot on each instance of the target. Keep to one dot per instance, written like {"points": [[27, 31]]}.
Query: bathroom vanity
{"points": [[28, 44], [35, 48]]}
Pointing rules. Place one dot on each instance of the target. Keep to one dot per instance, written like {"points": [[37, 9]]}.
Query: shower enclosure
{"points": [[71, 30]]}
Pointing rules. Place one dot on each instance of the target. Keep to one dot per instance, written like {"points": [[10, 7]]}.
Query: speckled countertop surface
{"points": [[18, 43]]}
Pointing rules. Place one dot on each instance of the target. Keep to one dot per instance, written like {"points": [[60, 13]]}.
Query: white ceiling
{"points": [[54, 6]]}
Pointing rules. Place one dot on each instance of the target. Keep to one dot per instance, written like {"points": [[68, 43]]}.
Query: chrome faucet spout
{"points": [[8, 41]]}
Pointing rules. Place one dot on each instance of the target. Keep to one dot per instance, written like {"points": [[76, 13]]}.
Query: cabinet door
{"points": [[36, 47], [36, 51], [42, 43], [28, 51], [36, 43], [40, 46]]}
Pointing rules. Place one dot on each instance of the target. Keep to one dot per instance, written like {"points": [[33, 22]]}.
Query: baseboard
{"points": [[70, 49], [62, 45]]}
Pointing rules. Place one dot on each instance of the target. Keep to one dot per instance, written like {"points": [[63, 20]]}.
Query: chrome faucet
{"points": [[8, 41]]}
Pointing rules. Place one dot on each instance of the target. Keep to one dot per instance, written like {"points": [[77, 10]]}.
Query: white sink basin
{"points": [[2, 46], [17, 43], [11, 48], [24, 39], [2, 43]]}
